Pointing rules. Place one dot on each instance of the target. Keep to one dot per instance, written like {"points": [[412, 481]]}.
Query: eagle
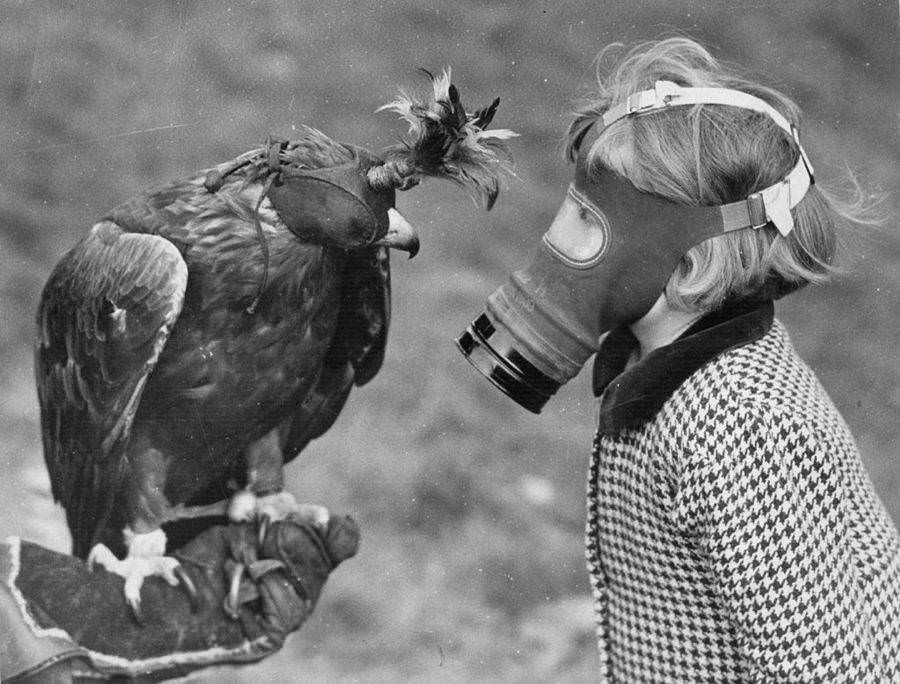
{"points": [[202, 333]]}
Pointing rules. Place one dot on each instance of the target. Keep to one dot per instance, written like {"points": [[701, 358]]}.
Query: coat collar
{"points": [[631, 397]]}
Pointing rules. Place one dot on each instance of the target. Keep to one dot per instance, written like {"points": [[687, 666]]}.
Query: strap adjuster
{"points": [[640, 102], [663, 92], [756, 208]]}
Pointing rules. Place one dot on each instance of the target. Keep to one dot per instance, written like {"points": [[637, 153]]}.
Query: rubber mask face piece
{"points": [[609, 254], [603, 262]]}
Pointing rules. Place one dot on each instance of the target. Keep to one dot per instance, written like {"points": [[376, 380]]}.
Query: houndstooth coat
{"points": [[733, 534]]}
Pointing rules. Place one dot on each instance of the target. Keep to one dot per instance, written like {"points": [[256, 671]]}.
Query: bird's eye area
{"points": [[579, 235]]}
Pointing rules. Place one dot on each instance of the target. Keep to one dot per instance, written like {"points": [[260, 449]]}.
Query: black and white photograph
{"points": [[475, 341]]}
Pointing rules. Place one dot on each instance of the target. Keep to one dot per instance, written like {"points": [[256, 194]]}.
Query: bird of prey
{"points": [[202, 333]]}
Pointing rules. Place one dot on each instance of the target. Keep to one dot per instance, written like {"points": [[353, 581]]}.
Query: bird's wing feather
{"points": [[357, 350], [104, 317], [365, 314]]}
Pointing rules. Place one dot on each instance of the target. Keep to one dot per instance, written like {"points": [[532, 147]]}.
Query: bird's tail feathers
{"points": [[443, 141]]}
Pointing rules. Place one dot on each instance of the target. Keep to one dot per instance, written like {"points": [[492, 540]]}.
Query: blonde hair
{"points": [[711, 155]]}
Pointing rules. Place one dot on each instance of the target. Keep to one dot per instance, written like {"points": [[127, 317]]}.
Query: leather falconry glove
{"points": [[245, 587]]}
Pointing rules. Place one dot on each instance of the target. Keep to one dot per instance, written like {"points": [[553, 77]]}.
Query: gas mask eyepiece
{"points": [[607, 257]]}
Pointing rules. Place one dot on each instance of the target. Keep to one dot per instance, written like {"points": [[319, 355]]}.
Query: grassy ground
{"points": [[472, 510]]}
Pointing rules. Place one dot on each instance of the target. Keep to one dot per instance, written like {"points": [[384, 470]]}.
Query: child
{"points": [[733, 533]]}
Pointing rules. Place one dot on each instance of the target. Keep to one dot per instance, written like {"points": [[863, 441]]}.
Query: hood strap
{"points": [[267, 163]]}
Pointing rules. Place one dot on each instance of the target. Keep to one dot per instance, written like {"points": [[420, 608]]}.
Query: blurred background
{"points": [[472, 509]]}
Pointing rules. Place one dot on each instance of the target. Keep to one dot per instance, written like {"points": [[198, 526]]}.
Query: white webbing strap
{"points": [[771, 204], [774, 204]]}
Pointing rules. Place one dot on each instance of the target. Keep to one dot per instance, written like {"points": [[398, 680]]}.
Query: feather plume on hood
{"points": [[443, 141]]}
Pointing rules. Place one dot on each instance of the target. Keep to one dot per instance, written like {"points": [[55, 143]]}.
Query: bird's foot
{"points": [[282, 504], [145, 559], [245, 506]]}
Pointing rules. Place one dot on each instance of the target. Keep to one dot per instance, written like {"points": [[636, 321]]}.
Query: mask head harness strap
{"points": [[772, 204]]}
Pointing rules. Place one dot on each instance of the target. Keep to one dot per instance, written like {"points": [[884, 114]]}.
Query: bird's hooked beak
{"points": [[400, 235]]}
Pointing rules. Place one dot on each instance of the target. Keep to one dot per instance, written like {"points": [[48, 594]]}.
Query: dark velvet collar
{"points": [[631, 397]]}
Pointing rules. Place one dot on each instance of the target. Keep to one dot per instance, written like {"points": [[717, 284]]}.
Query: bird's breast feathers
{"points": [[223, 363]]}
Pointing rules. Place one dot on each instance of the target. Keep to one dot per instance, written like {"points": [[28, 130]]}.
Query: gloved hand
{"points": [[253, 585]]}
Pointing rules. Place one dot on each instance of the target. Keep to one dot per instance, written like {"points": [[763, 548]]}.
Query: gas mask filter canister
{"points": [[607, 257]]}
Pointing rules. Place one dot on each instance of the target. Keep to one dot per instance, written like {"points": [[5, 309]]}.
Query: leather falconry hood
{"points": [[336, 201]]}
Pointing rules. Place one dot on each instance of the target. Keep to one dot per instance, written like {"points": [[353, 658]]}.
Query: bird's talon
{"points": [[189, 587], [264, 522], [231, 601], [136, 612]]}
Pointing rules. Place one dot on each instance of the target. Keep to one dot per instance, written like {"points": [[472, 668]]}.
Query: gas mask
{"points": [[607, 257]]}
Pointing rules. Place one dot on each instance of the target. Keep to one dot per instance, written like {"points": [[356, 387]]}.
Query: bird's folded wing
{"points": [[104, 317], [365, 315], [357, 352]]}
